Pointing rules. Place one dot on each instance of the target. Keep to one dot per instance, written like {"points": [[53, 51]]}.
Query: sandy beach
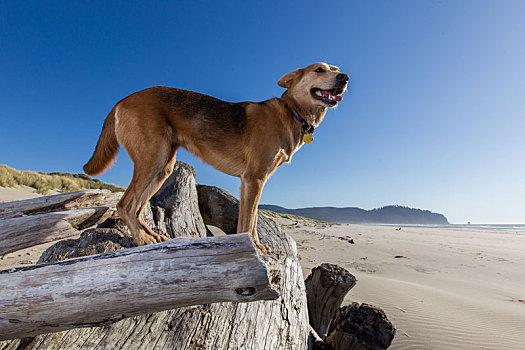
{"points": [[8, 194], [442, 288]]}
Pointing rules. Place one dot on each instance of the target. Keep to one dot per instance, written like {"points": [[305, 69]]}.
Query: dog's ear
{"points": [[287, 80]]}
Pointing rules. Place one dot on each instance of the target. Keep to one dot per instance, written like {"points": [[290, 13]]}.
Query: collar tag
{"points": [[307, 138]]}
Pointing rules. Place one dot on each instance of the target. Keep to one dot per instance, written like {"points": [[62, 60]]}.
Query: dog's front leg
{"points": [[251, 189]]}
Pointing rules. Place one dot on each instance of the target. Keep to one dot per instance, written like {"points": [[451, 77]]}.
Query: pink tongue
{"points": [[331, 96]]}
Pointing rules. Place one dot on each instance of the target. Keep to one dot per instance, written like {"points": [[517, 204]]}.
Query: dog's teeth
{"points": [[318, 93]]}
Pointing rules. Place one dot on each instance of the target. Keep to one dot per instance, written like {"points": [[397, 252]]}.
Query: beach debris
{"points": [[326, 288], [26, 262], [517, 300], [360, 326], [30, 222], [398, 256], [347, 239], [355, 326]]}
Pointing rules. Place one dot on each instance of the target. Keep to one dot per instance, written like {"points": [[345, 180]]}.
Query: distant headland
{"points": [[391, 214]]}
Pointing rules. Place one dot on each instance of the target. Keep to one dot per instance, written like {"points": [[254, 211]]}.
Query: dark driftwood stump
{"points": [[360, 327], [326, 287], [356, 327], [278, 324]]}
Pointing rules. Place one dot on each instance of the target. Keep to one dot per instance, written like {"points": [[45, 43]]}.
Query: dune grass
{"points": [[43, 182], [273, 214]]}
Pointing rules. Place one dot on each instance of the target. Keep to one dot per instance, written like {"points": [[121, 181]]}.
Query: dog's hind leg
{"points": [[149, 174]]}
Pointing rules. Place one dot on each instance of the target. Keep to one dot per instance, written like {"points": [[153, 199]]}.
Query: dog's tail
{"points": [[107, 148]]}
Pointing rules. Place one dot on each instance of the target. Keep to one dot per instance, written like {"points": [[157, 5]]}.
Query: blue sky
{"points": [[435, 118]]}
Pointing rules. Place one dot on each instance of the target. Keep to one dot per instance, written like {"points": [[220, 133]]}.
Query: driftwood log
{"points": [[326, 288], [27, 231], [40, 220], [277, 324], [59, 202], [109, 287]]}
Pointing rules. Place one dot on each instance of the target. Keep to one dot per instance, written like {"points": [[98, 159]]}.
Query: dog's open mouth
{"points": [[330, 97]]}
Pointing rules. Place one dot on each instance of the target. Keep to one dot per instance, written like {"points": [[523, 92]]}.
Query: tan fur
{"points": [[106, 149], [249, 140]]}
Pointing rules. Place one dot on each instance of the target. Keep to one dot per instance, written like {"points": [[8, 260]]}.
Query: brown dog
{"points": [[248, 139]]}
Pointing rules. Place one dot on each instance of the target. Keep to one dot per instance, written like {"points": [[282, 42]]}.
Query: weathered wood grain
{"points": [[326, 288], [27, 231], [59, 202], [98, 289]]}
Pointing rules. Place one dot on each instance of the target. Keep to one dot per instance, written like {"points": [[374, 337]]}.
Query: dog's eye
{"points": [[320, 70]]}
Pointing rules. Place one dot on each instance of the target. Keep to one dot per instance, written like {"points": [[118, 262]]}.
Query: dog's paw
{"points": [[265, 248], [161, 238], [144, 239]]}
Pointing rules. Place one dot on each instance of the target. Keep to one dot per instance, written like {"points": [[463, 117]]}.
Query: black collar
{"points": [[307, 128]]}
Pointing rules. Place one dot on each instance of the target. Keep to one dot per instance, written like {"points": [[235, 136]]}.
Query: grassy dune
{"points": [[43, 182], [296, 219]]}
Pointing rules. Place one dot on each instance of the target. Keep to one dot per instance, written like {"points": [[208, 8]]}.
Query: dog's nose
{"points": [[342, 77]]}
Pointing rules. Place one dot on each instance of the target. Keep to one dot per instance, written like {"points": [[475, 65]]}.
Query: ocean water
{"points": [[498, 227], [492, 227]]}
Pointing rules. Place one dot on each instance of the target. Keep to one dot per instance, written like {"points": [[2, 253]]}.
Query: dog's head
{"points": [[319, 84]]}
